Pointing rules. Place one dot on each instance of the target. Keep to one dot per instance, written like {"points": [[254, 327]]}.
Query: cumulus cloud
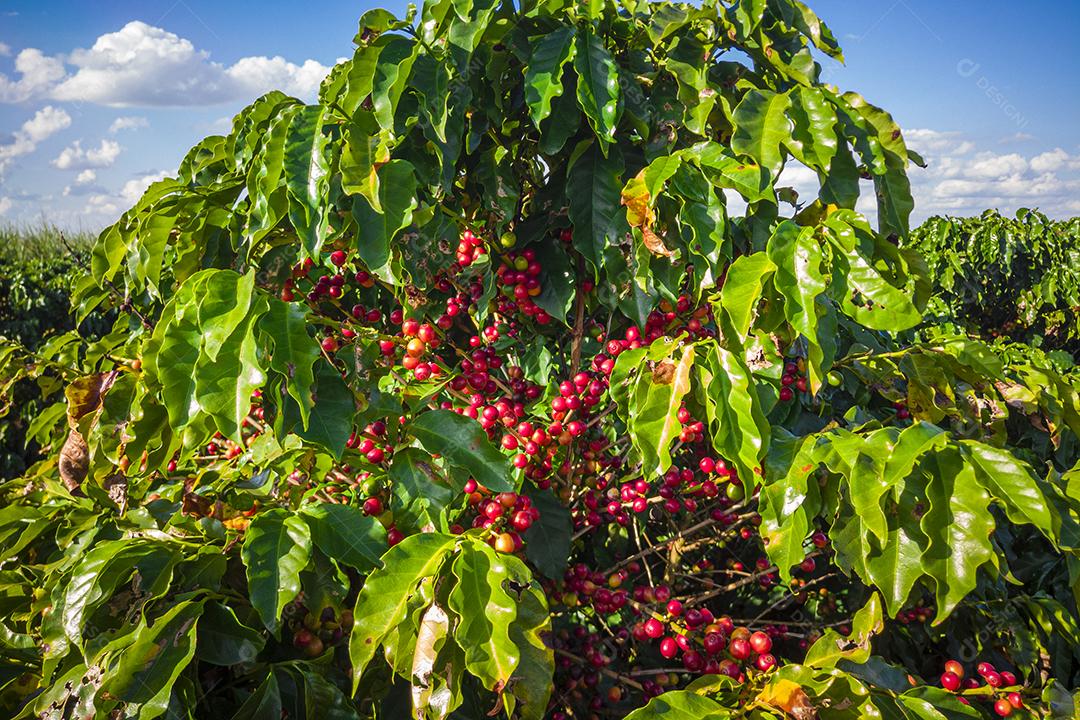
{"points": [[144, 65], [74, 157], [257, 75], [1055, 160], [86, 176], [5, 205], [46, 122], [37, 74], [923, 140], [108, 206], [964, 180], [990, 166], [128, 122], [5, 50]]}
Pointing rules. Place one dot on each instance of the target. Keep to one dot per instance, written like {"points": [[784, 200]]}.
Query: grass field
{"points": [[21, 243]]}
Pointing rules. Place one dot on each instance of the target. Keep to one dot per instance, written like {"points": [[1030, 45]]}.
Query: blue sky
{"points": [[99, 99]]}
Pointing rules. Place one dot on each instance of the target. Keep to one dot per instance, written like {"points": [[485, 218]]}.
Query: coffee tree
{"points": [[509, 380], [1009, 277]]}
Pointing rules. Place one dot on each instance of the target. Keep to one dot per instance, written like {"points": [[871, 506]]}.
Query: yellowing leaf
{"points": [[639, 213], [790, 697]]}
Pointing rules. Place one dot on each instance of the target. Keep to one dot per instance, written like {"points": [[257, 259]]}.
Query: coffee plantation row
{"points": [[466, 392]]}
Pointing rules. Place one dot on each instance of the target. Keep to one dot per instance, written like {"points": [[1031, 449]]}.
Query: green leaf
{"points": [[277, 546], [958, 523], [306, 171], [102, 570], [225, 385], [431, 79], [382, 603], [294, 351], [762, 127], [543, 76], [680, 705], [594, 188], [896, 564], [376, 230], [264, 702], [224, 640], [463, 443], [149, 666], [531, 685], [597, 85], [739, 429], [742, 290], [1011, 482], [269, 199], [881, 305], [814, 141], [790, 502], [420, 494], [558, 281], [485, 610], [750, 180], [832, 647], [684, 62], [324, 699], [173, 351], [927, 702], [797, 256], [547, 541], [391, 74], [344, 533], [365, 148], [330, 422], [655, 401]]}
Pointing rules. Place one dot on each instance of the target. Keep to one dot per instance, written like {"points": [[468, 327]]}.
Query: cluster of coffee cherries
{"points": [[921, 613], [519, 284], [793, 379], [723, 648], [902, 412], [313, 633], [678, 318], [371, 443], [505, 515], [1005, 703], [469, 249]]}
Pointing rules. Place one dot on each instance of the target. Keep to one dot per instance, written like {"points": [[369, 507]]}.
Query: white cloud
{"points": [[143, 65], [1054, 160], [128, 122], [38, 72], [258, 75], [989, 166], [108, 206], [134, 188], [5, 205], [83, 184], [923, 141], [959, 181], [74, 157], [5, 50], [46, 122]]}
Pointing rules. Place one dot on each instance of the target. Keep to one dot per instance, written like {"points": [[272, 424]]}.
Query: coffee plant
{"points": [[1015, 278], [34, 300], [508, 380]]}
